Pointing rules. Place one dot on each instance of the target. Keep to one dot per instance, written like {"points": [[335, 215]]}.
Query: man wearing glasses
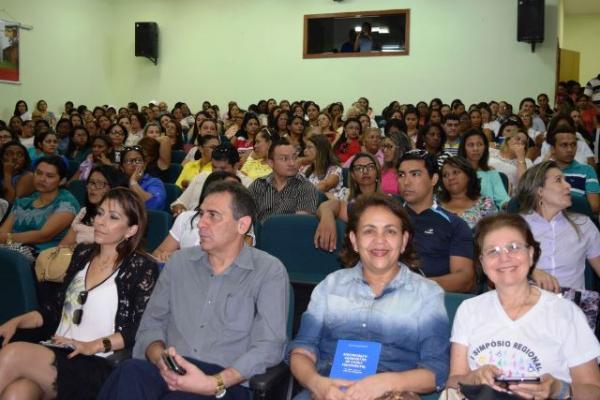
{"points": [[285, 190]]}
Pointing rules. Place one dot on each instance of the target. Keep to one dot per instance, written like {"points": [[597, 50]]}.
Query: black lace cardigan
{"points": [[135, 281]]}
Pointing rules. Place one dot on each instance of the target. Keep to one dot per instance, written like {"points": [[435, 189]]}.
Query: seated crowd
{"points": [[435, 198]]}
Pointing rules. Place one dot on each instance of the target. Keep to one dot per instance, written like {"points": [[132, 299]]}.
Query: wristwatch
{"points": [[220, 390], [107, 344]]}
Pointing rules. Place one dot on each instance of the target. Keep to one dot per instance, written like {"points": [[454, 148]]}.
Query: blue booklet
{"points": [[355, 359]]}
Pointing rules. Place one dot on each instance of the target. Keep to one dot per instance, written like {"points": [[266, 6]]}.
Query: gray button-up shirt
{"points": [[237, 319]]}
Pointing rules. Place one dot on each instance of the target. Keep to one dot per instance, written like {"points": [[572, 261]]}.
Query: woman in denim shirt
{"points": [[379, 299]]}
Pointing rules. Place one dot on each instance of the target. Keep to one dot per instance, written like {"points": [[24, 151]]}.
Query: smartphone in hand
{"points": [[505, 381], [50, 343], [172, 364]]}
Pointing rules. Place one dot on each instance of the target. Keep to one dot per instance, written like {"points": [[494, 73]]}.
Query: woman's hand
{"points": [[137, 175], [368, 388], [519, 150], [104, 159], [329, 389], [485, 376], [8, 329], [83, 348], [177, 209], [545, 281], [548, 388], [8, 167]]}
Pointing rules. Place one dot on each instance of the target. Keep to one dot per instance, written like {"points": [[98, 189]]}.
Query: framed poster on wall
{"points": [[9, 52]]}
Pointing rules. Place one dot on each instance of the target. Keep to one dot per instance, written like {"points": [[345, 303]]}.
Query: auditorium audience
{"points": [[450, 124], [204, 126], [518, 330], [99, 156], [79, 147], [348, 143], [405, 312], [323, 171], [431, 138], [511, 159], [394, 145], [207, 144], [158, 157], [96, 312], [45, 144]]}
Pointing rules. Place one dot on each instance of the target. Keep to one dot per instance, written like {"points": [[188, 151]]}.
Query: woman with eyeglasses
{"points": [[102, 178], [519, 331], [117, 135], [41, 220], [151, 190], [567, 239], [17, 180], [96, 312], [364, 178]]}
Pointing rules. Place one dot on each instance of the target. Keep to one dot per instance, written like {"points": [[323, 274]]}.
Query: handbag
{"points": [[52, 264]]}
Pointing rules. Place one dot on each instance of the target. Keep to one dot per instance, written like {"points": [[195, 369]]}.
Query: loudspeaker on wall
{"points": [[146, 40]]}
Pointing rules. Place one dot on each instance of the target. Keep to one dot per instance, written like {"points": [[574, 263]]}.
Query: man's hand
{"points": [[545, 281], [326, 234], [194, 381]]}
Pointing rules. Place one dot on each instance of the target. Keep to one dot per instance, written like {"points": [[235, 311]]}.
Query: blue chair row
{"points": [[17, 285]]}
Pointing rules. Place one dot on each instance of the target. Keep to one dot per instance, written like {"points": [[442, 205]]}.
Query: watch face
{"points": [[220, 393]]}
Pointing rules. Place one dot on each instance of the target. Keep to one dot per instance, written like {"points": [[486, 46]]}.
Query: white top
{"points": [[134, 137], [508, 167], [191, 195], [582, 153], [493, 126], [190, 155], [184, 232], [28, 143], [551, 337], [564, 250], [99, 310]]}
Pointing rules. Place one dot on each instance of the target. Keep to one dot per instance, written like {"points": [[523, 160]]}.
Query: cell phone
{"points": [[50, 343], [172, 364], [505, 381]]}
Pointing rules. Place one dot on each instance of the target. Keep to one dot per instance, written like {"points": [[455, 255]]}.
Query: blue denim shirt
{"points": [[409, 320]]}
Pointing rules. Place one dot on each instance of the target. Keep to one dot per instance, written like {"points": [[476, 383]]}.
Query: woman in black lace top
{"points": [[97, 311]]}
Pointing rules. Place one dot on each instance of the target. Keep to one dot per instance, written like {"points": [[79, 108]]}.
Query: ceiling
{"points": [[582, 7]]}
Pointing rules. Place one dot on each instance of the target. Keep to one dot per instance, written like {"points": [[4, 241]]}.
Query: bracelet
{"points": [[107, 344], [9, 238]]}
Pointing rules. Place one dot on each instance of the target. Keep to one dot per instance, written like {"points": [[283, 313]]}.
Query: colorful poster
{"points": [[9, 52]]}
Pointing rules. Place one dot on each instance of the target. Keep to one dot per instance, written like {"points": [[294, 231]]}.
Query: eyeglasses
{"points": [[97, 184], [120, 133], [511, 249], [364, 168], [132, 161], [388, 146], [78, 314], [130, 148]]}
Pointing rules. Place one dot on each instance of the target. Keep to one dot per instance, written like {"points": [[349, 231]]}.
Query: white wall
{"points": [[247, 50]]}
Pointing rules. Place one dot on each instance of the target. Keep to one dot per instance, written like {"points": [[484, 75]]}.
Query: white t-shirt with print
{"points": [[551, 337]]}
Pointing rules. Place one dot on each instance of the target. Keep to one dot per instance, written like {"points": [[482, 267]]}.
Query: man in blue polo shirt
{"points": [[581, 177], [443, 241]]}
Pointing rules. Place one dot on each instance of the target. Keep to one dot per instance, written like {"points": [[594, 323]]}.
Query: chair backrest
{"points": [[504, 179], [177, 156], [72, 168], [78, 190], [173, 192], [159, 223], [290, 238], [173, 173], [17, 285], [452, 301]]}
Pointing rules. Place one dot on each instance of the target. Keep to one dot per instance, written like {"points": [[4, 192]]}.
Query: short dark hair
{"points": [[40, 137], [525, 100], [363, 202], [429, 160], [275, 144], [226, 152], [551, 135], [504, 220], [242, 203], [59, 162], [14, 143], [450, 116]]}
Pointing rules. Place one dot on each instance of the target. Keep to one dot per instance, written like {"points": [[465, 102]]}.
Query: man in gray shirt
{"points": [[220, 310]]}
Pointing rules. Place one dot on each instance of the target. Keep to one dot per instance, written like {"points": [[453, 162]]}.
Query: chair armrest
{"points": [[120, 355], [262, 383]]}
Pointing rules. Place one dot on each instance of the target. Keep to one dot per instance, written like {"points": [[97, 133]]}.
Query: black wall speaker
{"points": [[146, 40], [530, 24]]}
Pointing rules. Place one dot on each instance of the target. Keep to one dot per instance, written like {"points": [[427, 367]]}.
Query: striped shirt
{"points": [[297, 195], [582, 178], [592, 89]]}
